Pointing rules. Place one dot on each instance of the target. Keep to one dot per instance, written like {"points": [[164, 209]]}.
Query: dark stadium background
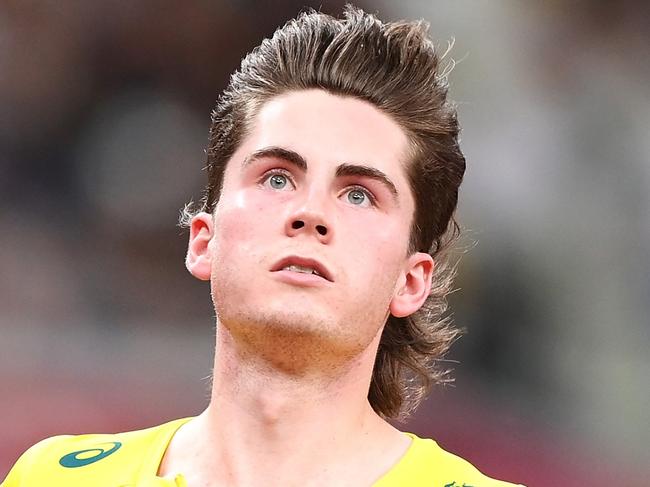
{"points": [[104, 109]]}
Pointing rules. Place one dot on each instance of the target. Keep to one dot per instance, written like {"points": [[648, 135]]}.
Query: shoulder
{"points": [[427, 464], [67, 460]]}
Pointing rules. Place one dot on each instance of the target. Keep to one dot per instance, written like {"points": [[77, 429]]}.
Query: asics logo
{"points": [[81, 458]]}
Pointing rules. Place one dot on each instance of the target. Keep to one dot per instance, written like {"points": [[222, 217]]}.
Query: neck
{"points": [[278, 386], [267, 418]]}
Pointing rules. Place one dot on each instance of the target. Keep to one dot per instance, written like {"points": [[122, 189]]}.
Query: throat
{"points": [[247, 448]]}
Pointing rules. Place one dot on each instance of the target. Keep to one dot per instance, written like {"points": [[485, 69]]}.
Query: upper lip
{"points": [[303, 262]]}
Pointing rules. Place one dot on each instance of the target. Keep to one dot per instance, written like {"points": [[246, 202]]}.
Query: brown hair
{"points": [[395, 67]]}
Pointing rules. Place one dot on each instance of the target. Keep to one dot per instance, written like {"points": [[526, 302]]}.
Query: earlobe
{"points": [[414, 286], [199, 259]]}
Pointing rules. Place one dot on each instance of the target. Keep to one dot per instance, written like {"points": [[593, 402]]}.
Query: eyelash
{"points": [[354, 187], [276, 172], [369, 195]]}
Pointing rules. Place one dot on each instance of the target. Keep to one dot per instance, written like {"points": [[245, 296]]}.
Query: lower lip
{"points": [[300, 278]]}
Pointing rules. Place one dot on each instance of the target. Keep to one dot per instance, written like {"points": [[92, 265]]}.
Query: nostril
{"points": [[321, 229], [297, 224]]}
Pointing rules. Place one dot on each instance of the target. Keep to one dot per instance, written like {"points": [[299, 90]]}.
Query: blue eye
{"points": [[360, 197], [278, 181], [356, 197]]}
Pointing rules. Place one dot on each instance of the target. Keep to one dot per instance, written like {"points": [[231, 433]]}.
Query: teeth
{"points": [[298, 268]]}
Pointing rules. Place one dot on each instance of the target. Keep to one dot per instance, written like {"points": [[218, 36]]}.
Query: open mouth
{"points": [[301, 269], [303, 266]]}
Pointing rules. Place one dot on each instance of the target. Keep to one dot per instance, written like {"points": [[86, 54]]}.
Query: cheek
{"points": [[379, 246], [381, 236], [240, 225]]}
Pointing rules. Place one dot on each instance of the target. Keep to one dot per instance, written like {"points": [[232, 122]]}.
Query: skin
{"points": [[294, 353]]}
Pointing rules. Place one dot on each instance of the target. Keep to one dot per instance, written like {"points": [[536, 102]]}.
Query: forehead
{"points": [[328, 130]]}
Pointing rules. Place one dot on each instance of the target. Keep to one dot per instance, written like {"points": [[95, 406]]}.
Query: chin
{"points": [[288, 321], [276, 326]]}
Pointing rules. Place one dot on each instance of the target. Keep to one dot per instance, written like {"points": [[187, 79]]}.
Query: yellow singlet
{"points": [[132, 460]]}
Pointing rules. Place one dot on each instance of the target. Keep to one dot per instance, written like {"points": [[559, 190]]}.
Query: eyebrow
{"points": [[367, 172], [341, 171], [279, 153]]}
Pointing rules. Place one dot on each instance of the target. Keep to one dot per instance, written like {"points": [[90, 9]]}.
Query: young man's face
{"points": [[310, 234]]}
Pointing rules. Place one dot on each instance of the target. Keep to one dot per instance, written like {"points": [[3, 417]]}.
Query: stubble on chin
{"points": [[294, 333], [296, 344]]}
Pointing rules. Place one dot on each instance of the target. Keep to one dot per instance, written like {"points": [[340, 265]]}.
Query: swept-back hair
{"points": [[396, 67]]}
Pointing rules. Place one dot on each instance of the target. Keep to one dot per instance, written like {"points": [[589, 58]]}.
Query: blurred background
{"points": [[104, 114]]}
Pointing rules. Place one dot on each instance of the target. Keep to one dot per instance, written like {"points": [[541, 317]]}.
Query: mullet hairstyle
{"points": [[395, 67]]}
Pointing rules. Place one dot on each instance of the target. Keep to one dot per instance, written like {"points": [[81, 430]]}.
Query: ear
{"points": [[199, 258], [413, 286]]}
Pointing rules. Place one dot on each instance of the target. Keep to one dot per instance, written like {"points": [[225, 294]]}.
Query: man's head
{"points": [[391, 69]]}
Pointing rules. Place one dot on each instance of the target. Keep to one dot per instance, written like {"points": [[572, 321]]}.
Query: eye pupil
{"points": [[356, 197], [278, 181]]}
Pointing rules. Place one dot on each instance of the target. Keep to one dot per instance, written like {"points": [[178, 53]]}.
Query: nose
{"points": [[309, 222], [298, 224]]}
